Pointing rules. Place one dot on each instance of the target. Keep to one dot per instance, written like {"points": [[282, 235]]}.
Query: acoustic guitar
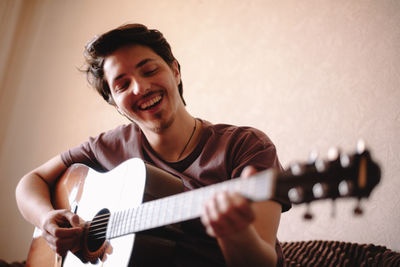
{"points": [[116, 204]]}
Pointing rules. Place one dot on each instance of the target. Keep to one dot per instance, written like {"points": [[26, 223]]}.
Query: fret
{"points": [[115, 226], [171, 209], [110, 226], [189, 199], [169, 213], [186, 205], [147, 214], [127, 221], [163, 211], [132, 221], [179, 207], [124, 220], [118, 225], [122, 224], [142, 216], [150, 214], [136, 219], [154, 213], [139, 218]]}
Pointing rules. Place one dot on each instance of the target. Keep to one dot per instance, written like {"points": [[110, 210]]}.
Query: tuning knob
{"points": [[345, 188], [358, 209], [333, 154], [308, 214], [296, 169], [320, 165], [313, 156], [320, 190], [296, 195], [345, 160], [360, 146]]}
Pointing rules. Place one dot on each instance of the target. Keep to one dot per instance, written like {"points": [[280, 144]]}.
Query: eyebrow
{"points": [[140, 64]]}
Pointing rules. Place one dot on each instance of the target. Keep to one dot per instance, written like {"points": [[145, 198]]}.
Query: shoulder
{"points": [[106, 150], [236, 133], [120, 133]]}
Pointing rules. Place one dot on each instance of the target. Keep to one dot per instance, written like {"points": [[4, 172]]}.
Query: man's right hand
{"points": [[62, 230]]}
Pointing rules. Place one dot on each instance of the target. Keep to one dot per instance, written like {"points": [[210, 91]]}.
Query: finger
{"points": [[68, 232], [235, 214], [107, 251], [206, 217], [109, 248], [248, 171], [219, 211], [242, 207], [56, 219], [211, 209], [67, 240], [73, 219]]}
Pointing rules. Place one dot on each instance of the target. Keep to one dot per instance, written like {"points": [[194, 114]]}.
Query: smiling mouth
{"points": [[151, 103]]}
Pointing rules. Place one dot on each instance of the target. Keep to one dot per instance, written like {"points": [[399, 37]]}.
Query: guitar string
{"points": [[98, 226]]}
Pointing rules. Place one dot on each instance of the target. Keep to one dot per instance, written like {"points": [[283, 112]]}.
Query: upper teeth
{"points": [[150, 102]]}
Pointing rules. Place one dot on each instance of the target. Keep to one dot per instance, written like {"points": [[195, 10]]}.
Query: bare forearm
{"points": [[33, 198], [33, 191], [247, 249]]}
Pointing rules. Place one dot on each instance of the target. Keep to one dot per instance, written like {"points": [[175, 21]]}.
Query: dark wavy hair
{"points": [[129, 34]]}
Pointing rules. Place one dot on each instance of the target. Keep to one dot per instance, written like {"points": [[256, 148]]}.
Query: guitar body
{"points": [[87, 191]]}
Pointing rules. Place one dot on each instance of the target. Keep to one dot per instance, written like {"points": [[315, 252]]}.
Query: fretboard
{"points": [[185, 206]]}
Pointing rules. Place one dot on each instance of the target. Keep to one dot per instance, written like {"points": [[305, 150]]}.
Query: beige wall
{"points": [[311, 74]]}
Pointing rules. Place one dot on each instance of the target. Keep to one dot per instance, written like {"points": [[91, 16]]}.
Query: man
{"points": [[134, 70]]}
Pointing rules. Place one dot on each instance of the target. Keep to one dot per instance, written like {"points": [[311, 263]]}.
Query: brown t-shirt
{"points": [[222, 153]]}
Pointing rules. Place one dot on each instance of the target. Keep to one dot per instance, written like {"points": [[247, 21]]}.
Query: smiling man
{"points": [[133, 69]]}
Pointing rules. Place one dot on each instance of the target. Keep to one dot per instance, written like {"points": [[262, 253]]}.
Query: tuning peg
{"points": [[333, 154], [358, 209], [345, 188], [308, 215], [296, 169], [312, 158], [344, 160], [360, 146], [296, 195], [320, 165], [320, 190]]}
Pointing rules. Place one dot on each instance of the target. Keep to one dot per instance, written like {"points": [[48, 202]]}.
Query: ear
{"points": [[176, 71], [122, 113], [119, 110]]}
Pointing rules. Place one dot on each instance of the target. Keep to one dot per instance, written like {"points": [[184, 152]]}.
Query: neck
{"points": [[176, 141]]}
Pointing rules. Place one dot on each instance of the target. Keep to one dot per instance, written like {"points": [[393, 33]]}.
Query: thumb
{"points": [[248, 171], [74, 220]]}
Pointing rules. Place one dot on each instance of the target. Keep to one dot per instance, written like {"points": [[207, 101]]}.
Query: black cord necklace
{"points": [[190, 138]]}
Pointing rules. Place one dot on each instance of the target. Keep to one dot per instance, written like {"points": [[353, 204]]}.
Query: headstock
{"points": [[339, 176]]}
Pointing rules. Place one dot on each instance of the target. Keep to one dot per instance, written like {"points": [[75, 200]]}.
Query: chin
{"points": [[163, 125]]}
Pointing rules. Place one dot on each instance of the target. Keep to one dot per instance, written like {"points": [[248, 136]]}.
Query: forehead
{"points": [[127, 57], [130, 55]]}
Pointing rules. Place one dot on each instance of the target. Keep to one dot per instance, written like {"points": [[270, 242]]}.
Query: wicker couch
{"points": [[324, 254], [335, 253]]}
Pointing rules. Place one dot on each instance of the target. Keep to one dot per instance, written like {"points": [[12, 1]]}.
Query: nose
{"points": [[139, 86]]}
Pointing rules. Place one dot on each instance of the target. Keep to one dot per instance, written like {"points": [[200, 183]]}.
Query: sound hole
{"points": [[97, 230]]}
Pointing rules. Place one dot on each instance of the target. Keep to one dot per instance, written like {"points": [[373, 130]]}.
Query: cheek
{"points": [[120, 101]]}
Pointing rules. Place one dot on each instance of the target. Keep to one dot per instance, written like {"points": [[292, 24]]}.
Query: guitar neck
{"points": [[185, 206]]}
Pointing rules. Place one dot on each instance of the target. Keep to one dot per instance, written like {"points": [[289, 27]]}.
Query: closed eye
{"points": [[122, 86], [150, 72]]}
